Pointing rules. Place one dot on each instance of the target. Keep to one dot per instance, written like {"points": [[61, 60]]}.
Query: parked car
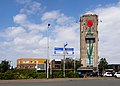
{"points": [[113, 73], [80, 75], [117, 75], [107, 74], [94, 74]]}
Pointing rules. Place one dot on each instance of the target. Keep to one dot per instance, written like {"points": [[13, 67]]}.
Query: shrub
{"points": [[72, 74], [40, 75], [8, 76], [57, 75], [23, 74]]}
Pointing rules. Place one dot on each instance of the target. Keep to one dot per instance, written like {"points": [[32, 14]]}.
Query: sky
{"points": [[24, 27]]}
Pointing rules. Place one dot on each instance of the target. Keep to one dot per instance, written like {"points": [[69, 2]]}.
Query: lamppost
{"points": [[36, 65], [64, 58], [48, 51], [10, 63], [74, 64]]}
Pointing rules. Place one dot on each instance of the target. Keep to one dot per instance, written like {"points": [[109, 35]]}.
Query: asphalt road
{"points": [[64, 82]]}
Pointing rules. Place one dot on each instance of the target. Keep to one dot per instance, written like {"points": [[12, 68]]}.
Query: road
{"points": [[62, 82]]}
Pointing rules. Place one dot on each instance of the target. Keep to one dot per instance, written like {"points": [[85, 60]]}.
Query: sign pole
{"points": [[48, 52], [64, 59]]}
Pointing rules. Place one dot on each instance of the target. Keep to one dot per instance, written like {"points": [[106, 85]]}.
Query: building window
{"points": [[91, 61], [19, 62], [41, 66], [31, 61], [89, 34], [90, 41], [57, 62], [25, 61]]}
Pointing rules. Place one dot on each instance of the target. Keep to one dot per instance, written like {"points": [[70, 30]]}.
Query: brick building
{"points": [[56, 64]]}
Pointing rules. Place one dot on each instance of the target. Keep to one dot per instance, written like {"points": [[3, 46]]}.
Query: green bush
{"points": [[8, 76], [32, 74], [57, 75], [40, 75], [72, 74], [22, 74]]}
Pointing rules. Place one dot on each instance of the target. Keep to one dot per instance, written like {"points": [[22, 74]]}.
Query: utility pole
{"points": [[74, 64], [64, 58], [36, 65], [48, 52]]}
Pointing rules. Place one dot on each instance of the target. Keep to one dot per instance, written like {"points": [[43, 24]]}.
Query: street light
{"points": [[10, 63], [64, 59], [48, 51], [36, 65], [74, 64]]}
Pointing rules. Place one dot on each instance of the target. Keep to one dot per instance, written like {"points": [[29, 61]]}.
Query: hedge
{"points": [[32, 74]]}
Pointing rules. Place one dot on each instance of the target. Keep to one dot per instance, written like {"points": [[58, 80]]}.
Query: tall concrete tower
{"points": [[89, 41]]}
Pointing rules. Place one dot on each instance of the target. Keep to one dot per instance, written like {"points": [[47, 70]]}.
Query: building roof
{"points": [[57, 59], [31, 58], [89, 13], [113, 64]]}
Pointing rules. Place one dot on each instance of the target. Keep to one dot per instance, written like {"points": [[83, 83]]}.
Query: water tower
{"points": [[89, 41]]}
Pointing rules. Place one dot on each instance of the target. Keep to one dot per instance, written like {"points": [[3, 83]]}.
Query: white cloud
{"points": [[66, 33], [109, 32], [20, 19], [14, 31], [59, 17], [40, 27], [62, 19], [31, 7], [29, 39], [50, 15], [23, 1]]}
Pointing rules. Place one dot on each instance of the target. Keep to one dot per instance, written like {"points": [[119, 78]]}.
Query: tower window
{"points": [[89, 35], [90, 40]]}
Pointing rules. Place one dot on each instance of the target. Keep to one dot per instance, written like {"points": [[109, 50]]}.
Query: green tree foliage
{"points": [[78, 64], [4, 66], [102, 65], [69, 64]]}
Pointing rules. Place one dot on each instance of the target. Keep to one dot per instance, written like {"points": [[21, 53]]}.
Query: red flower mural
{"points": [[89, 23]]}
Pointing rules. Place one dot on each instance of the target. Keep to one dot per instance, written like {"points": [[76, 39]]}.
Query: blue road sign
{"points": [[68, 51], [58, 50]]}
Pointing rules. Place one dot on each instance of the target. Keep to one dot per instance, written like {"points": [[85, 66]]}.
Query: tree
{"points": [[69, 64], [102, 65], [78, 64], [4, 66]]}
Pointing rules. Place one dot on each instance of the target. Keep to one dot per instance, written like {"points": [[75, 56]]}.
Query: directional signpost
{"points": [[60, 51], [63, 51]]}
